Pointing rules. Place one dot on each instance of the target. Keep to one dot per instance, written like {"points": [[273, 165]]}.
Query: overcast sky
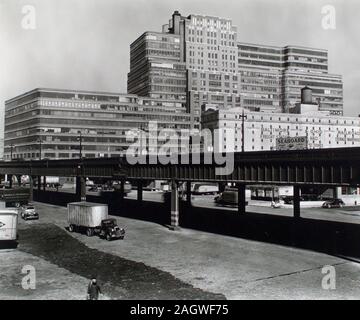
{"points": [[84, 44]]}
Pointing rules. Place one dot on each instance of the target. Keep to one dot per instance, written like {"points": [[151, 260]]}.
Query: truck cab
{"points": [[110, 230]]}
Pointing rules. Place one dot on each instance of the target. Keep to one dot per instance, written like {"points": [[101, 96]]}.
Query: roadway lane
{"points": [[346, 214]]}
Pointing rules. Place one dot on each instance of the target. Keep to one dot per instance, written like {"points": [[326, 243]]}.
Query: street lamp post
{"points": [[11, 151], [243, 117], [80, 145], [39, 177], [40, 142], [142, 128]]}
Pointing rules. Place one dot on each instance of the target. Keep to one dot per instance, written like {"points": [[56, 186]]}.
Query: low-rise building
{"points": [[319, 128]]}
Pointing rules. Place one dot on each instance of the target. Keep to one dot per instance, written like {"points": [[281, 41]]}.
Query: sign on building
{"points": [[291, 143]]}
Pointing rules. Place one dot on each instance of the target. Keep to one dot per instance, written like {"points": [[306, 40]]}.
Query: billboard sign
{"points": [[291, 143]]}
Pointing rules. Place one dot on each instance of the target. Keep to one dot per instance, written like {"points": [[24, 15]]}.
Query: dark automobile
{"points": [[110, 230], [28, 212], [228, 198], [95, 188], [335, 203]]}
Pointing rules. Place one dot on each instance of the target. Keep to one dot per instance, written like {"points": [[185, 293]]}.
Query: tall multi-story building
{"points": [[271, 78], [55, 119], [223, 72], [206, 48], [156, 67]]}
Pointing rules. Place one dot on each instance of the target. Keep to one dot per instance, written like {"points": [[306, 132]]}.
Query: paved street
{"points": [[346, 214], [232, 267]]}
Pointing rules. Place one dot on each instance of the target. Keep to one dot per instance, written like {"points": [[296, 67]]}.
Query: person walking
{"points": [[93, 290]]}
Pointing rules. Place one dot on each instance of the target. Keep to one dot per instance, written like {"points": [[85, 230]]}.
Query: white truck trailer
{"points": [[93, 219], [8, 224], [205, 188]]}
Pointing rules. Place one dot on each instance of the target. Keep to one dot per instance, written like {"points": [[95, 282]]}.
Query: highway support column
{"points": [[39, 183], [31, 187], [10, 179], [296, 202], [336, 192], [18, 178], [139, 191], [188, 193], [241, 198], [81, 188], [174, 206], [44, 183], [122, 190]]}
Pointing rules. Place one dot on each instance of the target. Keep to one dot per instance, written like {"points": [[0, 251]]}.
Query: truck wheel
{"points": [[89, 232], [108, 237]]}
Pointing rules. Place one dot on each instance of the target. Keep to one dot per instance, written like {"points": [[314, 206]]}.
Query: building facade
{"points": [[156, 67], [220, 71], [56, 119], [319, 128], [271, 78]]}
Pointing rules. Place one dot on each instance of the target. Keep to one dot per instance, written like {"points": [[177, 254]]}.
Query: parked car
{"points": [[95, 188], [275, 204], [28, 212], [228, 198], [335, 203], [127, 186]]}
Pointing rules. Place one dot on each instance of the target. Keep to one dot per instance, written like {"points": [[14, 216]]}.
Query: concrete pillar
{"points": [[39, 183], [174, 205], [222, 186], [296, 202], [122, 189], [77, 186], [139, 191], [18, 178], [337, 192], [241, 198], [31, 186], [44, 183], [188, 193], [10, 177], [81, 188]]}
